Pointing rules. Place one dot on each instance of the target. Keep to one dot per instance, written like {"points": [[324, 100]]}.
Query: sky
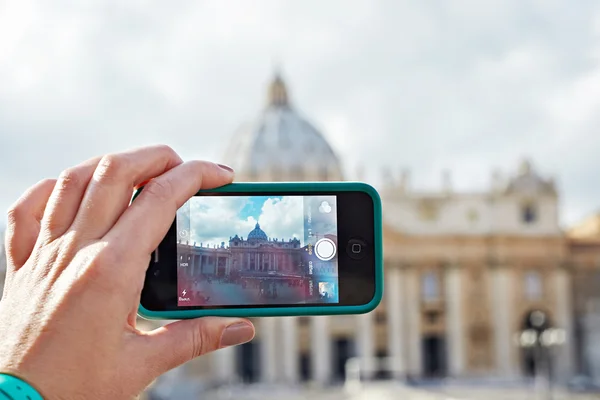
{"points": [[216, 219], [466, 86]]}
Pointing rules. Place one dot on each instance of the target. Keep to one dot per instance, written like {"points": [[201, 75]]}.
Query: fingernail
{"points": [[237, 333], [226, 167]]}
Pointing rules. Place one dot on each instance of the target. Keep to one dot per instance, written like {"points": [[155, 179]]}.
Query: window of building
{"points": [[432, 317], [430, 287], [528, 213], [533, 285], [428, 210], [472, 215]]}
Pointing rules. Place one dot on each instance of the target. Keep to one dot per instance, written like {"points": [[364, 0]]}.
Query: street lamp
{"points": [[541, 339]]}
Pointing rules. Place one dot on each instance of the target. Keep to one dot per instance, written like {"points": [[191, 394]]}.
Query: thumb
{"points": [[181, 341]]}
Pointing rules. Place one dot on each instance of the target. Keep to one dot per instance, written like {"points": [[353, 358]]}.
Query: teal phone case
{"points": [[300, 187]]}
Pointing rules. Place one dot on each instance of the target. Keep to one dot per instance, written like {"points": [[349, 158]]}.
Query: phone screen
{"points": [[257, 250]]}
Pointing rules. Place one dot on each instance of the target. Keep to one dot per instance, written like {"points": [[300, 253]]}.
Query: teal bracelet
{"points": [[13, 388]]}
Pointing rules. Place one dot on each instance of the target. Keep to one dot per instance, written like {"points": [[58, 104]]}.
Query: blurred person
{"points": [[77, 253]]}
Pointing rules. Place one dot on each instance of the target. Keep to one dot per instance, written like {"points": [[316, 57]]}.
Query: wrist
{"points": [[14, 388]]}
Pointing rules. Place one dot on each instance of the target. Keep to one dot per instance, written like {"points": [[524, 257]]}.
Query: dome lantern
{"points": [[281, 145], [278, 95]]}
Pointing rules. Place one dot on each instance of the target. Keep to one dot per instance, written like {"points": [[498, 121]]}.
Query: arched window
{"points": [[533, 285], [528, 213], [430, 287]]}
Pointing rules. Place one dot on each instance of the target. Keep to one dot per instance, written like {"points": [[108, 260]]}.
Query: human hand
{"points": [[77, 255]]}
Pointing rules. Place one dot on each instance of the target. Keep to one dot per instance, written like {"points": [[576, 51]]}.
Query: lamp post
{"points": [[540, 338]]}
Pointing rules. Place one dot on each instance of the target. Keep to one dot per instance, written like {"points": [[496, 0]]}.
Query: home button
{"points": [[356, 248]]}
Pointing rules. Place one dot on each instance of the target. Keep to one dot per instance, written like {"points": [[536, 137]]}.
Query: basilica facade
{"points": [[254, 256], [465, 274]]}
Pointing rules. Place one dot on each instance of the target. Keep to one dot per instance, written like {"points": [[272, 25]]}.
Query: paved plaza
{"points": [[389, 391], [235, 293]]}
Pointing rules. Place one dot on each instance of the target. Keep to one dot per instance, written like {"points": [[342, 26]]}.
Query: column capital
{"points": [[495, 262], [565, 265], [396, 264], [451, 264], [404, 265]]}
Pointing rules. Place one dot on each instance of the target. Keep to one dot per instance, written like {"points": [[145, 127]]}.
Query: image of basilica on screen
{"points": [[256, 269]]}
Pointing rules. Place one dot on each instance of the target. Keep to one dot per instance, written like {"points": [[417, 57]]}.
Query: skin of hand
{"points": [[77, 253]]}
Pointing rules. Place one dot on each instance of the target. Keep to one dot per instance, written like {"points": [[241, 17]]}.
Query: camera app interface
{"points": [[257, 250]]}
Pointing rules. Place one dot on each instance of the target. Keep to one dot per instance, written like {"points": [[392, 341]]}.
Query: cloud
{"points": [[215, 219], [466, 86], [283, 218]]}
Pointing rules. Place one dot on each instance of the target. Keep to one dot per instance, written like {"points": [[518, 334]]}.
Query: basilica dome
{"points": [[257, 233], [280, 145]]}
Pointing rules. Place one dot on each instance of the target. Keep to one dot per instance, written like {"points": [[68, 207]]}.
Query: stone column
{"points": [[455, 321], [591, 338], [564, 320], [268, 350], [365, 344], [289, 349], [413, 301], [320, 350], [502, 320], [395, 315], [224, 365]]}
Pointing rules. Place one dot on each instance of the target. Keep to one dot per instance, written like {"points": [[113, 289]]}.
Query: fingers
{"points": [[109, 191], [24, 222], [65, 199], [149, 217], [174, 344]]}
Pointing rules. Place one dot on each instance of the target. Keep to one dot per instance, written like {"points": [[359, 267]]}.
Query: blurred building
{"points": [[584, 244], [464, 272], [254, 255]]}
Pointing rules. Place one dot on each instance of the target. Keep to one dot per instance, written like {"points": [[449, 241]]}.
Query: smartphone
{"points": [[269, 249]]}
